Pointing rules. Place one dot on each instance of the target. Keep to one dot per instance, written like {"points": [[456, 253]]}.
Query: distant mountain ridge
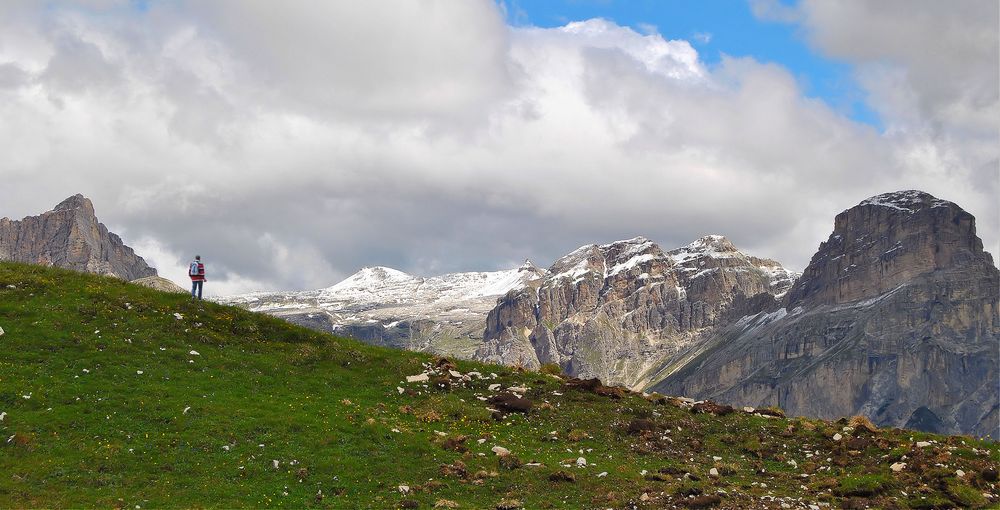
{"points": [[71, 237], [380, 305], [451, 314]]}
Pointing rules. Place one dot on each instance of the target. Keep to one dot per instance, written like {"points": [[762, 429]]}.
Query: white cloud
{"points": [[291, 144]]}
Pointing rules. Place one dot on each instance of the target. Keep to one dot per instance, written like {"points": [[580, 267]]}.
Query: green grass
{"points": [[97, 433]]}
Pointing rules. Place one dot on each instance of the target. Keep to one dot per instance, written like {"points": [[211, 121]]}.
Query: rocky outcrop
{"points": [[895, 318], [615, 311], [160, 283], [70, 236]]}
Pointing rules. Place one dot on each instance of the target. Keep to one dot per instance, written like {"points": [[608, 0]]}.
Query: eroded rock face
{"points": [[887, 241], [615, 311], [70, 236], [896, 318]]}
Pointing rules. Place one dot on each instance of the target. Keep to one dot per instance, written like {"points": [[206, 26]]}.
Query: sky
{"points": [[292, 143]]}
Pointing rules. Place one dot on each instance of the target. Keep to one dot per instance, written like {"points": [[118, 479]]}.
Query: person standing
{"points": [[197, 273]]}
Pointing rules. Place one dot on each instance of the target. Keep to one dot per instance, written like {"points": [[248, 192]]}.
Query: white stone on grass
{"points": [[418, 378]]}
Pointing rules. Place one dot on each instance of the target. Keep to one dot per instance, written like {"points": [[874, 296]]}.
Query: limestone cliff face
{"points": [[895, 318], [617, 310], [70, 236]]}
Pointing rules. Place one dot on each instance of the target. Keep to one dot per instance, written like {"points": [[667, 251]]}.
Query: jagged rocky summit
{"points": [[70, 236], [620, 311], [895, 318]]}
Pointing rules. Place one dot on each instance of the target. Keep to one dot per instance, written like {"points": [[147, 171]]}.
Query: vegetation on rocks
{"points": [[116, 395]]}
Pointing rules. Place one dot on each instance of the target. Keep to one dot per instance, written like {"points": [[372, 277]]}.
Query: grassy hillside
{"points": [[119, 396]]}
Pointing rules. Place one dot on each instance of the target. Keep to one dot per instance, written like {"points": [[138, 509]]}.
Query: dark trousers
{"points": [[196, 289]]}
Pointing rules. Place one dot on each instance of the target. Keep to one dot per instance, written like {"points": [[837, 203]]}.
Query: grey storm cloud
{"points": [[291, 143]]}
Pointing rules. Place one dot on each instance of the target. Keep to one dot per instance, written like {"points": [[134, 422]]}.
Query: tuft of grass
{"points": [[551, 369], [863, 485]]}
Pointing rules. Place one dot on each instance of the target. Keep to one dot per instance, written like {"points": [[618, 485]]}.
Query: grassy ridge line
{"points": [[120, 396]]}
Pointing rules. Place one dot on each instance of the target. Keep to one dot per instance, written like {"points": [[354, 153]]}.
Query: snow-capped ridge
{"points": [[906, 200]]}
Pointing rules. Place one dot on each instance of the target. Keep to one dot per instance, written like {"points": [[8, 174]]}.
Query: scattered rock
{"points": [[509, 504], [1, 331], [562, 476], [581, 462], [418, 378], [959, 473], [595, 386], [897, 467], [458, 469], [404, 489], [771, 411], [510, 402], [862, 423], [500, 451], [409, 503], [858, 443], [445, 503], [510, 462], [923, 444], [710, 407], [444, 364], [990, 475], [714, 473], [837, 437]]}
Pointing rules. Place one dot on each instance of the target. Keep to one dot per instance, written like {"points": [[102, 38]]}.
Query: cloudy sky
{"points": [[291, 143]]}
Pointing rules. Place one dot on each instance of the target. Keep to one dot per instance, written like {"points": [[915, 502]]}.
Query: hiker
{"points": [[197, 273]]}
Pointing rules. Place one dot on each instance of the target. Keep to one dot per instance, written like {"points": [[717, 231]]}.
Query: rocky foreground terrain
{"points": [[70, 237]]}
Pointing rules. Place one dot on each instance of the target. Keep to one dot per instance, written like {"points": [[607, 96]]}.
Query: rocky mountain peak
{"points": [[886, 241], [70, 236], [74, 203]]}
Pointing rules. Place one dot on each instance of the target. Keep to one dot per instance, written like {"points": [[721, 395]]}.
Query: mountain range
{"points": [[895, 317]]}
